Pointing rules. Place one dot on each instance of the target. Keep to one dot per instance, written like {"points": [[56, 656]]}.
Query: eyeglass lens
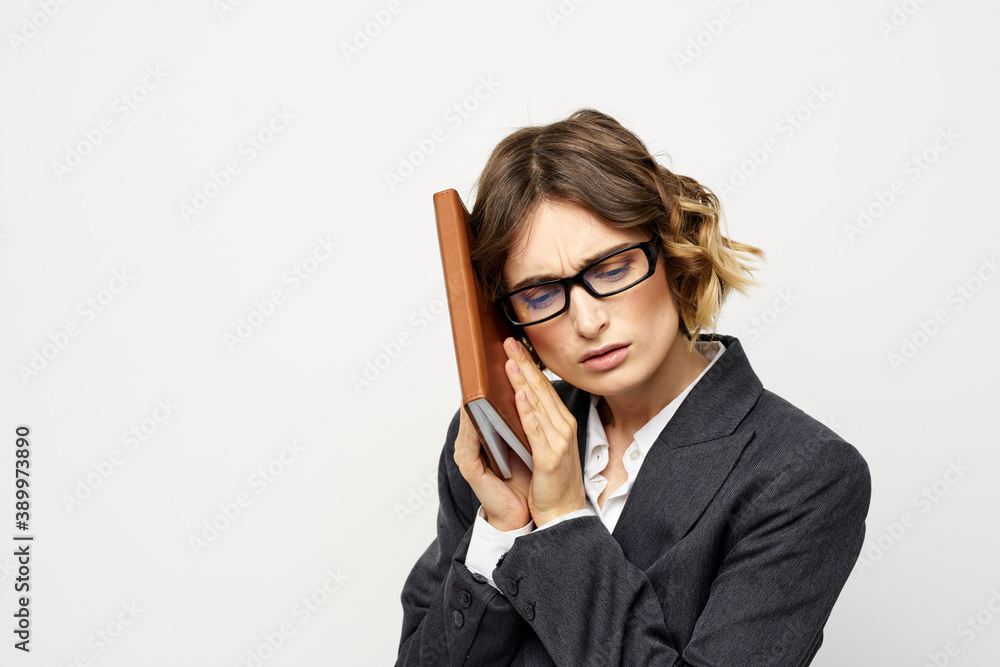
{"points": [[617, 272]]}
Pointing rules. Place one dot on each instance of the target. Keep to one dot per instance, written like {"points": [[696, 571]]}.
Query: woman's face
{"points": [[643, 319]]}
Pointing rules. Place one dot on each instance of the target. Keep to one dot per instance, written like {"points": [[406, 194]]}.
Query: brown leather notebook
{"points": [[479, 330]]}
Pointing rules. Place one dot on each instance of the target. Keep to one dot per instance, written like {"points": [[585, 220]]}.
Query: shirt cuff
{"points": [[586, 511], [488, 544]]}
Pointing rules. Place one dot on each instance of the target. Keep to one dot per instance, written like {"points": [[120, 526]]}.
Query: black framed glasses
{"points": [[609, 275]]}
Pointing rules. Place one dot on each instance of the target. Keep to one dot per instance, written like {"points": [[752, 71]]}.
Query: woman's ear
{"points": [[531, 350]]}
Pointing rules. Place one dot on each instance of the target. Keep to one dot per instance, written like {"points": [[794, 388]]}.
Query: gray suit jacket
{"points": [[738, 534]]}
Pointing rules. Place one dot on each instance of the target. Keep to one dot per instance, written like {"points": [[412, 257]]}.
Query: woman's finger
{"points": [[467, 448], [535, 380], [543, 412]]}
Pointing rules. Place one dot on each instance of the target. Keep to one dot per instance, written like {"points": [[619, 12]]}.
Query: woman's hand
{"points": [[556, 485], [505, 501], [556, 480]]}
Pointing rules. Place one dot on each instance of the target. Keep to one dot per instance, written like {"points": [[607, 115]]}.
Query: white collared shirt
{"points": [[488, 543]]}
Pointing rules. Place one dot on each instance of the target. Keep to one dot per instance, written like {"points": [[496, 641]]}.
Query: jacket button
{"points": [[464, 599], [456, 617], [478, 577], [529, 610], [512, 587]]}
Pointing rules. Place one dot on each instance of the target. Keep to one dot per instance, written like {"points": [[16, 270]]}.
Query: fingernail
{"points": [[516, 370]]}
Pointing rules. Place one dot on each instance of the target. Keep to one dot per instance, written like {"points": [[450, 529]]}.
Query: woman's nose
{"points": [[590, 314]]}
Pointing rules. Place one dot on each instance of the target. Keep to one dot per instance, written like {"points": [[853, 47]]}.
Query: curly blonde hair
{"points": [[591, 160]]}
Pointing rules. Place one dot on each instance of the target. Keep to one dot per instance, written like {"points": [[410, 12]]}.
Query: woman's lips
{"points": [[607, 361]]}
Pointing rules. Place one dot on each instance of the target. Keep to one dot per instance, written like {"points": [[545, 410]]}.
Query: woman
{"points": [[677, 513]]}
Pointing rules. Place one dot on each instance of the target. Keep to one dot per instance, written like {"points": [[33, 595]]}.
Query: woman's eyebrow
{"points": [[531, 280]]}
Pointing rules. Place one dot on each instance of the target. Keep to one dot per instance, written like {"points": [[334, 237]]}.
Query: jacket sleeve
{"points": [[452, 616], [791, 552]]}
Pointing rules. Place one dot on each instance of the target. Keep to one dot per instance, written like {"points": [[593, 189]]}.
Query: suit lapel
{"points": [[670, 493], [690, 459]]}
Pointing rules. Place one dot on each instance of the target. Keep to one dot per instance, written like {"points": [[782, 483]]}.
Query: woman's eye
{"points": [[539, 299], [615, 274]]}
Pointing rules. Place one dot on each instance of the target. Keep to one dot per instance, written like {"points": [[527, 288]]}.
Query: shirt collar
{"points": [[597, 439]]}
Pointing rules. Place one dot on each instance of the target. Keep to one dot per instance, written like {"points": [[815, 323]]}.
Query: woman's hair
{"points": [[591, 160]]}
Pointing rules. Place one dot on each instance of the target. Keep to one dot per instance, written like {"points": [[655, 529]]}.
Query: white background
{"points": [[349, 510]]}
